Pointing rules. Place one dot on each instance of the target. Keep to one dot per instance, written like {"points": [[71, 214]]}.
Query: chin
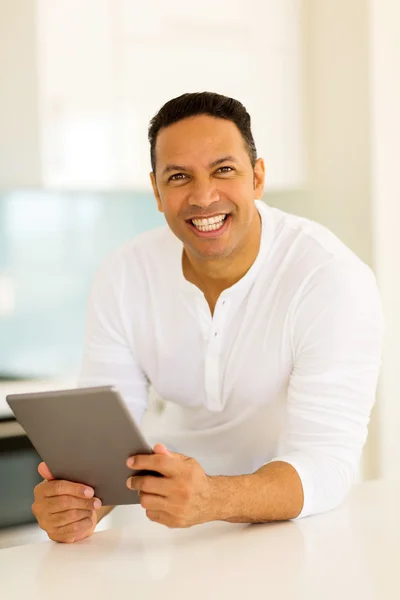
{"points": [[211, 254]]}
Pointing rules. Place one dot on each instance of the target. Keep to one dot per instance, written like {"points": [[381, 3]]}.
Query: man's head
{"points": [[205, 165]]}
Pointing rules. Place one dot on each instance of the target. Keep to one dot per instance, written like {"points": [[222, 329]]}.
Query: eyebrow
{"points": [[215, 163]]}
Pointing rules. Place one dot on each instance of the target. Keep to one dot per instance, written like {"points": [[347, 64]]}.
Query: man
{"points": [[260, 330]]}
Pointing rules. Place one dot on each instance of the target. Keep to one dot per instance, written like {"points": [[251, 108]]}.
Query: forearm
{"points": [[273, 493]]}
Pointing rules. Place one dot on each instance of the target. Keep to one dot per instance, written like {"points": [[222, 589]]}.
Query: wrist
{"points": [[215, 507], [228, 496]]}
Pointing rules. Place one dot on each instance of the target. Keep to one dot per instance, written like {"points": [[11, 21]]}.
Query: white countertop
{"points": [[352, 553]]}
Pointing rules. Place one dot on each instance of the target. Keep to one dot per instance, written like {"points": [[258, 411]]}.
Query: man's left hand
{"points": [[182, 497]]}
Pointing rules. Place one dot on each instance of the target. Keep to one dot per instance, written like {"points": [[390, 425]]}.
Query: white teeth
{"points": [[210, 224]]}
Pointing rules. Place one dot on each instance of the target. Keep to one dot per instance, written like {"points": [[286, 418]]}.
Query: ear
{"points": [[259, 178], [155, 191]]}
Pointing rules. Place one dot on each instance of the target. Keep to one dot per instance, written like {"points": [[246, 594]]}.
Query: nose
{"points": [[203, 193]]}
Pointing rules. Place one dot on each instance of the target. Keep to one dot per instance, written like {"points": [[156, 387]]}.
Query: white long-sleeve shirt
{"points": [[286, 368]]}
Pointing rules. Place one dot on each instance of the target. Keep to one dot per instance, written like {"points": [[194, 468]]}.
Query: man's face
{"points": [[203, 171]]}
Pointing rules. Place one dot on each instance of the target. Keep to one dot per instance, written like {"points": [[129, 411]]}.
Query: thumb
{"points": [[45, 472], [161, 449]]}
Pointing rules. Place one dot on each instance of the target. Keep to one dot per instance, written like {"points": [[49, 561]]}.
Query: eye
{"points": [[176, 177], [222, 169]]}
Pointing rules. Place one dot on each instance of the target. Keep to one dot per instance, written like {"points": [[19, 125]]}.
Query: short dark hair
{"points": [[202, 103]]}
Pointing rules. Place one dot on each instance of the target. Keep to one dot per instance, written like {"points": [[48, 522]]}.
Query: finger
{"points": [[58, 504], [60, 487], [161, 449], [69, 516], [153, 502], [77, 526], [151, 485], [73, 532], [158, 516], [44, 471], [166, 465]]}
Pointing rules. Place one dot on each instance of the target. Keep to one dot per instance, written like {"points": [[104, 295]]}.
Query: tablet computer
{"points": [[84, 435]]}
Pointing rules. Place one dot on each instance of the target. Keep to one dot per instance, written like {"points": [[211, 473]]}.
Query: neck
{"points": [[214, 276]]}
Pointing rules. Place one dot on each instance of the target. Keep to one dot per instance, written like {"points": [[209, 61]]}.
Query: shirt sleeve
{"points": [[336, 326], [108, 357]]}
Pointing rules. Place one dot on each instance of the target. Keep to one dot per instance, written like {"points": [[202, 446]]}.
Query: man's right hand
{"points": [[66, 511]]}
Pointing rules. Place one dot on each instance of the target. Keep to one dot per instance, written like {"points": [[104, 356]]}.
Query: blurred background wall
{"points": [[384, 54], [79, 82]]}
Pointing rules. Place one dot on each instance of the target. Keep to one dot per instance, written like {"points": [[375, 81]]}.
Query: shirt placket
{"points": [[213, 356]]}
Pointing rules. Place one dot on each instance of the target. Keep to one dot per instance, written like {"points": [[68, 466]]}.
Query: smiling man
{"points": [[259, 330]]}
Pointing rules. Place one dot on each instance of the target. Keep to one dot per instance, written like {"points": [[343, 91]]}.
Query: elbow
{"points": [[326, 481]]}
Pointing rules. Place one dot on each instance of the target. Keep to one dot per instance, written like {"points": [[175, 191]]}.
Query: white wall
{"points": [[85, 78], [338, 117], [385, 95], [19, 164]]}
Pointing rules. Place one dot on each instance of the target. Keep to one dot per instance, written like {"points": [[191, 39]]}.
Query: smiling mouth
{"points": [[210, 224]]}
